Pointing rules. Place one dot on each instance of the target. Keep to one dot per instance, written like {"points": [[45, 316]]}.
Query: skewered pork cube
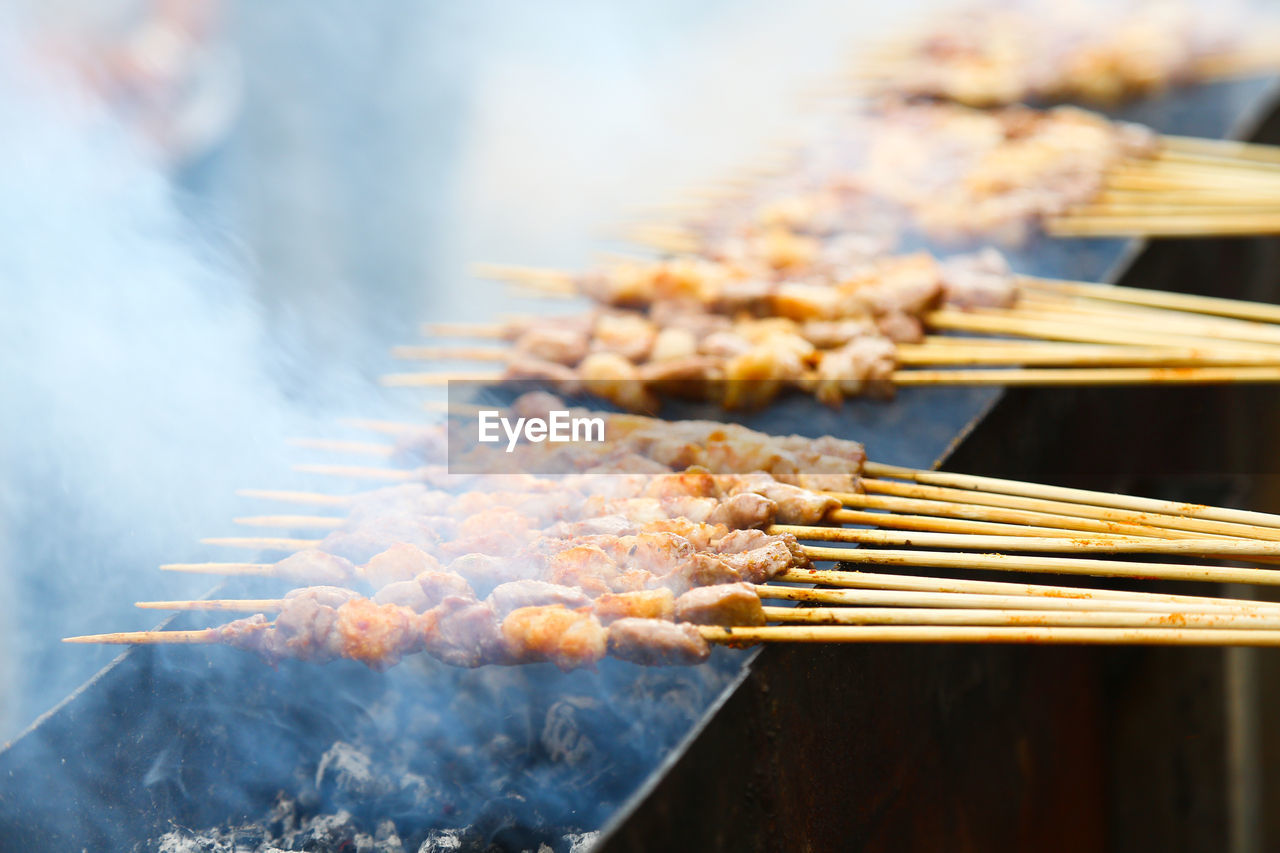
{"points": [[760, 564], [866, 364], [793, 505], [613, 377], [746, 509], [557, 345], [406, 594], [828, 334], [410, 498], [363, 542], [606, 525], [640, 604], [484, 572], [437, 586], [377, 635], [536, 404], [733, 604], [698, 570], [695, 482], [651, 551], [400, 562], [516, 594], [313, 566], [464, 632], [628, 335], [567, 638], [699, 534], [586, 567], [656, 642], [673, 345], [980, 280]]}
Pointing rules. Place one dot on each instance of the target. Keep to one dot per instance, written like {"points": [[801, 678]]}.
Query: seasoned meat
{"points": [[744, 509], [437, 586], [511, 596], [642, 604], [378, 635], [567, 638], [406, 594], [586, 567], [760, 564], [655, 642], [464, 632], [794, 504], [484, 572], [699, 570], [400, 562], [734, 604]]}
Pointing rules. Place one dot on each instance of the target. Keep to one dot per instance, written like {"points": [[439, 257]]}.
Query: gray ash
{"points": [[431, 758]]}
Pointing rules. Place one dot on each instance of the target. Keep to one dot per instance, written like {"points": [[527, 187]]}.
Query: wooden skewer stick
{"points": [[251, 569], [1067, 355], [997, 634], [384, 427], [902, 521], [1053, 565], [1214, 330], [869, 597], [1009, 322], [1061, 493], [978, 512], [936, 616], [966, 497], [1223, 147], [261, 543], [872, 580], [1161, 226], [1049, 376], [466, 330], [234, 605], [137, 638], [295, 522], [426, 353], [1160, 299]]}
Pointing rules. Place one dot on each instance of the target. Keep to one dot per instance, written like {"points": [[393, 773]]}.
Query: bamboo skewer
{"points": [[936, 616], [315, 498], [997, 634], [966, 497], [1089, 376], [1070, 495], [1045, 564], [872, 580], [340, 446], [1160, 299], [295, 522]]}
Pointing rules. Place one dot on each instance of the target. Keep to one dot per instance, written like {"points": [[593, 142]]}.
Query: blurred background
{"points": [[216, 218]]}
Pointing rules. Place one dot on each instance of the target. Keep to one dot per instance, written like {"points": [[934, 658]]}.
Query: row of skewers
{"points": [[652, 568]]}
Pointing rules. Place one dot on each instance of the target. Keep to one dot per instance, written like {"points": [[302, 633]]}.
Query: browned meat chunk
{"points": [[377, 635], [981, 280], [586, 567], [699, 570], [550, 344], [641, 604], [655, 642], [733, 604], [516, 594], [745, 509], [794, 504], [567, 638], [760, 564]]}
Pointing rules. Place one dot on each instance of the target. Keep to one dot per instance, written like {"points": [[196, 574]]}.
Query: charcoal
{"points": [[579, 842], [346, 775], [448, 841]]}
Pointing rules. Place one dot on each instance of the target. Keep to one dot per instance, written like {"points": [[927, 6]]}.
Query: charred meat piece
{"points": [[567, 638], [794, 504], [655, 642], [437, 586], [377, 635], [641, 604], [734, 604]]}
